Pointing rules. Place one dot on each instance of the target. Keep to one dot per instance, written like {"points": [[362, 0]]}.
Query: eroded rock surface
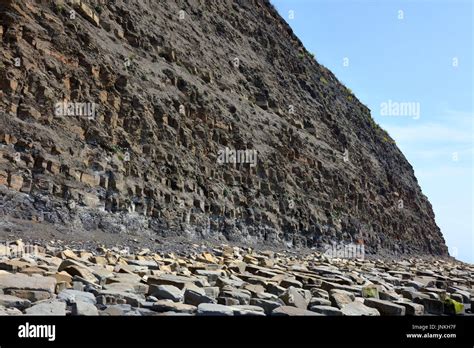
{"points": [[112, 119]]}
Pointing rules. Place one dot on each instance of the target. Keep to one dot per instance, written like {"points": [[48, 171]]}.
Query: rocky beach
{"points": [[55, 279]]}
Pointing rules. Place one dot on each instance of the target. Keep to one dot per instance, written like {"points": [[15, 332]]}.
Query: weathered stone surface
{"points": [[292, 297], [275, 289], [120, 310], [389, 296], [316, 301], [292, 311], [357, 308], [243, 296], [290, 282], [211, 291], [119, 297], [248, 310], [210, 275], [254, 289], [432, 306], [13, 265], [22, 283], [195, 298], [71, 296], [267, 305], [228, 301], [52, 307], [326, 310], [457, 297], [413, 295], [370, 291], [84, 308], [169, 279], [411, 308], [166, 292], [212, 309], [465, 294], [170, 306], [76, 269], [13, 301], [385, 307], [341, 298], [9, 311], [133, 287]]}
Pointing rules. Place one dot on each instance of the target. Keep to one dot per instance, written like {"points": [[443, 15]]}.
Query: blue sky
{"points": [[418, 52]]}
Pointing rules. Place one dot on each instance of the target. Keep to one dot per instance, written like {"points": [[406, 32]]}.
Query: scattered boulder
{"points": [[340, 298], [385, 307], [71, 296], [13, 301], [195, 298], [326, 310], [292, 297], [292, 311], [212, 309], [357, 308], [84, 308], [166, 292], [411, 308], [170, 306], [51, 307]]}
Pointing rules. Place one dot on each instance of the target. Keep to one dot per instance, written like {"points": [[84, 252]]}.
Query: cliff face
{"points": [[195, 118]]}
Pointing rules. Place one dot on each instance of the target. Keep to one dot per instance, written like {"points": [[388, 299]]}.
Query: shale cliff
{"points": [[203, 119]]}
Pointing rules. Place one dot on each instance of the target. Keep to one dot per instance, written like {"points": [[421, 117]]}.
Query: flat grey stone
{"points": [[52, 307], [166, 292], [118, 310], [318, 301], [385, 307], [9, 311], [357, 308], [432, 306], [175, 280], [339, 298], [243, 296], [212, 291], [84, 308], [412, 308], [292, 311], [326, 310], [170, 306], [248, 310], [130, 298], [24, 282], [211, 309], [13, 301], [293, 297], [195, 298], [267, 305], [71, 296]]}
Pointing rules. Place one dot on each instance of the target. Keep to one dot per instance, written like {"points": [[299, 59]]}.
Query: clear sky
{"points": [[418, 52]]}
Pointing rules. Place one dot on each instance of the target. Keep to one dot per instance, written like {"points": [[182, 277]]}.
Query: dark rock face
{"points": [[195, 118]]}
